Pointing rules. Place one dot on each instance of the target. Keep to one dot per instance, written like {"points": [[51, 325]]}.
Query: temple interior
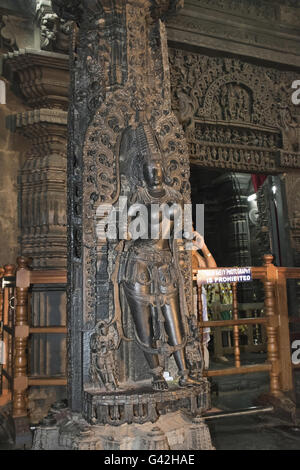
{"points": [[112, 342]]}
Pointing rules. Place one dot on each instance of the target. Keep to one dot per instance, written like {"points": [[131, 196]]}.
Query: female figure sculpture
{"points": [[152, 281]]}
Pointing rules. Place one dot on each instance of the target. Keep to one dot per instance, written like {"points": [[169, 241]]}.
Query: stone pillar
{"points": [[40, 77], [235, 224], [43, 80], [120, 97], [119, 70], [234, 189]]}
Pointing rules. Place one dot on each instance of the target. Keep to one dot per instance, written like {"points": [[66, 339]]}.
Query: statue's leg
{"points": [[142, 316], [175, 330]]}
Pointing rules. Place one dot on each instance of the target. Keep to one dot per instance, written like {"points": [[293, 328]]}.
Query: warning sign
{"points": [[224, 275]]}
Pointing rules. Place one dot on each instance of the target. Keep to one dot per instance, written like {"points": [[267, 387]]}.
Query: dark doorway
{"points": [[242, 225]]}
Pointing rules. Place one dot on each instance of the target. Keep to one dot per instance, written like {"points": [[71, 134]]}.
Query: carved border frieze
{"points": [[143, 407]]}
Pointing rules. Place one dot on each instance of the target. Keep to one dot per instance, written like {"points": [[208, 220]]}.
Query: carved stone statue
{"points": [[152, 280], [104, 342]]}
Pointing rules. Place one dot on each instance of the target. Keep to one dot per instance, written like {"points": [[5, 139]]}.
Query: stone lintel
{"points": [[263, 38]]}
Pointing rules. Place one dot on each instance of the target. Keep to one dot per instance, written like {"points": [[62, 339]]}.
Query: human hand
{"points": [[198, 240]]}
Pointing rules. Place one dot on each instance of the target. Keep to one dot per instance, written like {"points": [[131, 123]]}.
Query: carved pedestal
{"points": [[142, 405], [170, 430]]}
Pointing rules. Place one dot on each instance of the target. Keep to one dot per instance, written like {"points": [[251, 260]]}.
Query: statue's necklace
{"points": [[149, 198]]}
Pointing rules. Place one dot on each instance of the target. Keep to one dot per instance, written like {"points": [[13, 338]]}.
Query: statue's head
{"points": [[141, 157], [153, 174]]}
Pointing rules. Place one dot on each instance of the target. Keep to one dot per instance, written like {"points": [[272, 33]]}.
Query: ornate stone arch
{"points": [[261, 101]]}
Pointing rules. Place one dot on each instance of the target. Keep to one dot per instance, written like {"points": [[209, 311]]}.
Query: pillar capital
{"points": [[43, 77]]}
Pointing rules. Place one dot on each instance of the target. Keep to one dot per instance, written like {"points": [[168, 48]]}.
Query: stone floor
{"points": [[256, 432]]}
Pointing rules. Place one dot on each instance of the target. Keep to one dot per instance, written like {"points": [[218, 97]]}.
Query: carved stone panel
{"points": [[120, 86], [237, 115]]}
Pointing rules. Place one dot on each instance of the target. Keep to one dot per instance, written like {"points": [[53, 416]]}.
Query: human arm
{"points": [[199, 244]]}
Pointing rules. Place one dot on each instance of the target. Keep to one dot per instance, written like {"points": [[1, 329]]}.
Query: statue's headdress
{"points": [[139, 145]]}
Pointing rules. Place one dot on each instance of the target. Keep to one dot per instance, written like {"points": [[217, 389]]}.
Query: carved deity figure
{"points": [[103, 349], [152, 280]]}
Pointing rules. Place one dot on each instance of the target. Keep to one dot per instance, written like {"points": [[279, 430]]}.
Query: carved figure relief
{"points": [[104, 343], [116, 49], [234, 103], [234, 107], [153, 282]]}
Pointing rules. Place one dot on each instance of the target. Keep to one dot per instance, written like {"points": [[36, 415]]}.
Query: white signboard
{"points": [[224, 275]]}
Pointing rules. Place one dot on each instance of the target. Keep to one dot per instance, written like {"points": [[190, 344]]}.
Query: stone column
{"points": [[39, 75], [119, 69], [43, 80], [234, 190], [120, 97]]}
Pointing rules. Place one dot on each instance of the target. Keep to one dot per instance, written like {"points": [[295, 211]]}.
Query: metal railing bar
{"points": [[239, 321], [242, 412], [238, 370]]}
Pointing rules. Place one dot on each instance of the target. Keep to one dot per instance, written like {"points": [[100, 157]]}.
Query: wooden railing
{"points": [[255, 334], [276, 321], [7, 279], [20, 330], [221, 342]]}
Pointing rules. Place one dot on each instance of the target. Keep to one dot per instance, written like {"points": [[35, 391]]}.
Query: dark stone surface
{"points": [[141, 404], [19, 7]]}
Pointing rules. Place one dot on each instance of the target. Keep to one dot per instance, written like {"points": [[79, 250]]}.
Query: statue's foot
{"points": [[111, 387], [159, 383], [186, 381]]}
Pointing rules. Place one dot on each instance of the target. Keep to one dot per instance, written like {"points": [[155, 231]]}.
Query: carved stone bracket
{"points": [[43, 77], [119, 78], [55, 32]]}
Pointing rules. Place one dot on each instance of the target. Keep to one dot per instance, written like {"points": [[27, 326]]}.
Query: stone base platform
{"points": [[124, 420], [141, 405], [174, 431]]}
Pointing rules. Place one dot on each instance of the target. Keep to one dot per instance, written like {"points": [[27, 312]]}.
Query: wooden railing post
{"points": [[20, 383], [272, 325], [10, 270], [286, 371], [200, 314], [235, 309], [6, 293], [2, 348]]}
